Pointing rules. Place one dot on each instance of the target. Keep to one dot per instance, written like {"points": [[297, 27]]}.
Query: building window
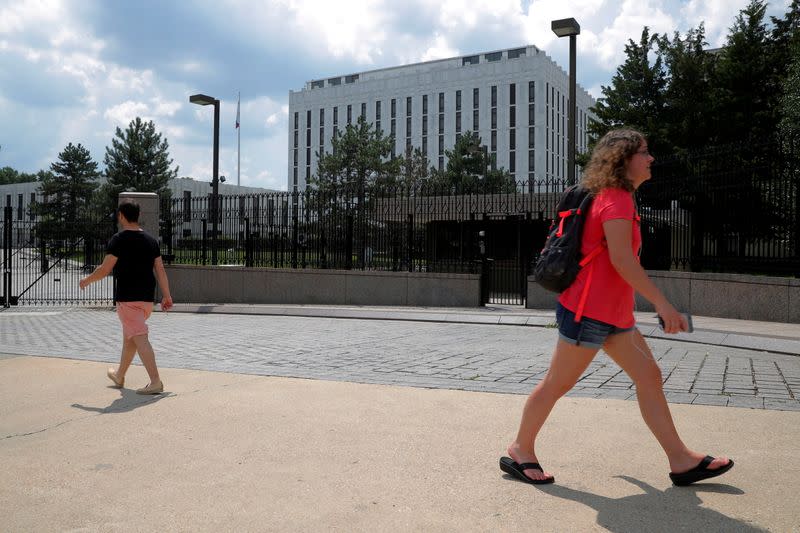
{"points": [[30, 206], [494, 95], [335, 81], [321, 118], [494, 141], [349, 113], [351, 78], [512, 139], [512, 117], [378, 110], [516, 53], [475, 120], [424, 104], [530, 137], [408, 106], [317, 84], [494, 118], [471, 60], [394, 107], [494, 56], [512, 94], [441, 102], [458, 100], [531, 91], [296, 120], [335, 116], [458, 122], [364, 110]]}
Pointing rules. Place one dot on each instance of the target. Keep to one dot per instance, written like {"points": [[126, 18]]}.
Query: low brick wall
{"points": [[221, 284], [719, 295]]}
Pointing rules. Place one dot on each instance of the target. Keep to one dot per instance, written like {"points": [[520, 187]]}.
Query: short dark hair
{"points": [[130, 211]]}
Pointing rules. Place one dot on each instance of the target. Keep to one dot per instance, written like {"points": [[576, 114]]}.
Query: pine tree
{"points": [[635, 97], [137, 160], [744, 81], [687, 97], [67, 189], [359, 160]]}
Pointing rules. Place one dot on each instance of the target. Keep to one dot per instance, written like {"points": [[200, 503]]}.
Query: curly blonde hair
{"points": [[608, 165]]}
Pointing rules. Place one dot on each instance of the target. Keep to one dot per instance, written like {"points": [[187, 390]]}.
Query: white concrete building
{"points": [[20, 195], [516, 100]]}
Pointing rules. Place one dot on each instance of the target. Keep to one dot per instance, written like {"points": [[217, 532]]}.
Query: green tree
{"points": [[11, 175], [359, 160], [65, 194], [469, 169], [137, 160], [635, 97], [744, 81], [786, 38], [687, 97], [415, 169]]}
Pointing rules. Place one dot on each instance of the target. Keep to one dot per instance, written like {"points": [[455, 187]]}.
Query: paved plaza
{"points": [[444, 355]]}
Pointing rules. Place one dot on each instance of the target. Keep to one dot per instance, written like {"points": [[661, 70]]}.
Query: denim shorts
{"points": [[588, 333]]}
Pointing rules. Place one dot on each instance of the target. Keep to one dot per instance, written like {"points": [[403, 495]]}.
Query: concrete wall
{"points": [[719, 295], [207, 284], [148, 209]]}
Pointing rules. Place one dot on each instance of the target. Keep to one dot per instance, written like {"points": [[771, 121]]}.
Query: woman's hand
{"points": [[674, 322]]}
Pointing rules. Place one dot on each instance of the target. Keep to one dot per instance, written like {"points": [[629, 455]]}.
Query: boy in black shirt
{"points": [[135, 258]]}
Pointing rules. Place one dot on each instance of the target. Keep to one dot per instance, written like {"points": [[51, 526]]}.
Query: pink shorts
{"points": [[133, 315]]}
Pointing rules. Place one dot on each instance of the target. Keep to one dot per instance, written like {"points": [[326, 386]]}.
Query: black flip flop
{"points": [[513, 468], [699, 472]]}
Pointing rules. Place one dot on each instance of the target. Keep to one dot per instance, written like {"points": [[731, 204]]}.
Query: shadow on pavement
{"points": [[128, 401], [673, 509]]}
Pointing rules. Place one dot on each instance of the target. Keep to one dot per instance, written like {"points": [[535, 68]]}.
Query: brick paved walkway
{"points": [[487, 358]]}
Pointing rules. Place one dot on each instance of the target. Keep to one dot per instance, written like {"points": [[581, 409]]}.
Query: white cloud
{"points": [[439, 49], [123, 113], [19, 17]]}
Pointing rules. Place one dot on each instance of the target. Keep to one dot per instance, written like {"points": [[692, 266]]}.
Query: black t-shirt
{"points": [[136, 252]]}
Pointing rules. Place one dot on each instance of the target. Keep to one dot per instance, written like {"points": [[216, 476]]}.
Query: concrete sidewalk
{"points": [[228, 452]]}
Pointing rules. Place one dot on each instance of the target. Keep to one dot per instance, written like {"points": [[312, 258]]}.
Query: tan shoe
{"points": [[152, 388], [112, 375]]}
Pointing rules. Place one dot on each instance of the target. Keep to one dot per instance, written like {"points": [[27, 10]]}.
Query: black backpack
{"points": [[560, 260]]}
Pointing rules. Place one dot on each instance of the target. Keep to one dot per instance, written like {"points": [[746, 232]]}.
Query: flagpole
{"points": [[239, 145]]}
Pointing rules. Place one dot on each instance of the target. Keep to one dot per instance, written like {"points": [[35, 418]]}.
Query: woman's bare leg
{"points": [[630, 351], [568, 363]]}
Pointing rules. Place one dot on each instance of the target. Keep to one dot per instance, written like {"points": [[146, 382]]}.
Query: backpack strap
{"points": [[563, 216], [585, 292]]}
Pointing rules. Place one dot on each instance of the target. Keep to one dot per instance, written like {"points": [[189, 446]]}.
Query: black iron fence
{"points": [[44, 257], [725, 209], [409, 229]]}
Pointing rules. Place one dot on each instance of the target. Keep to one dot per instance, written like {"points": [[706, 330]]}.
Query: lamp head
{"points": [[565, 27], [202, 99]]}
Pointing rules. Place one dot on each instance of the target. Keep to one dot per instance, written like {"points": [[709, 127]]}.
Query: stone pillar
{"points": [[148, 206]]}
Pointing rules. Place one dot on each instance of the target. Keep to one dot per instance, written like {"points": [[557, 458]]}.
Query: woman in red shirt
{"points": [[603, 318]]}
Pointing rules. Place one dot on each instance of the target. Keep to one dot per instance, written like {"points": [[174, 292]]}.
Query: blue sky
{"points": [[73, 71]]}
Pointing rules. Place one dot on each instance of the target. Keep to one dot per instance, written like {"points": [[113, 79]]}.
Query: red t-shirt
{"points": [[610, 297]]}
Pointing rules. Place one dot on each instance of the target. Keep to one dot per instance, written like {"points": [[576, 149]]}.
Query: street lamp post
{"points": [[563, 28], [202, 99]]}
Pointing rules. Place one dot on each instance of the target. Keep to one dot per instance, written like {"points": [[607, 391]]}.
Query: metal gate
{"points": [[509, 245], [44, 259]]}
